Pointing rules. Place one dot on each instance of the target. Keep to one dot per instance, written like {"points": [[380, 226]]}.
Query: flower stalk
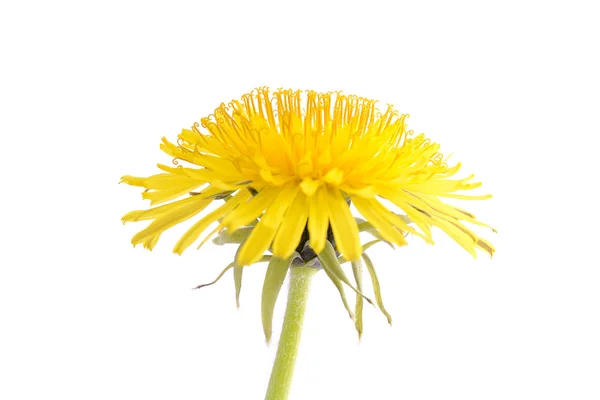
{"points": [[287, 350]]}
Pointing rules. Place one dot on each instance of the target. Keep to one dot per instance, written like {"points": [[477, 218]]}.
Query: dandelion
{"points": [[287, 169]]}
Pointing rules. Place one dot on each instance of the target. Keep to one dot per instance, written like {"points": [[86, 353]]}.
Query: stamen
{"points": [[195, 127]]}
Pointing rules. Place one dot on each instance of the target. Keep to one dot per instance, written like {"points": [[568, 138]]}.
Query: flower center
{"points": [[310, 138]]}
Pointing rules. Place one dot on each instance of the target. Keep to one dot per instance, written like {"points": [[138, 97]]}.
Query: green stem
{"points": [[285, 360]]}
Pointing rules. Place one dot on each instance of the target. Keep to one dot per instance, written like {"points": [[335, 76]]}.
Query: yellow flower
{"points": [[290, 163]]}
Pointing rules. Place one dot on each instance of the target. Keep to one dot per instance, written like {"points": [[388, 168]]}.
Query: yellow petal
{"points": [[366, 192], [160, 196], [386, 229], [142, 215], [485, 245], [440, 208], [343, 225], [202, 175], [465, 196], [318, 219], [275, 212], [262, 236], [190, 136], [256, 244], [334, 176], [196, 230], [305, 166], [266, 175], [249, 211], [396, 220], [460, 235], [442, 186], [423, 221], [151, 242], [177, 152], [289, 233], [133, 180], [309, 186], [171, 219]]}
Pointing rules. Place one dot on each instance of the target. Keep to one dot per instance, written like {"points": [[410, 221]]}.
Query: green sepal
{"points": [[376, 287], [226, 237], [276, 273], [338, 284], [334, 271], [326, 259], [370, 229], [237, 274], [358, 308], [237, 279], [329, 261], [227, 268], [365, 247]]}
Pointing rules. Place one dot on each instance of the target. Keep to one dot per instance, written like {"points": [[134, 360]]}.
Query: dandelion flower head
{"points": [[290, 164]]}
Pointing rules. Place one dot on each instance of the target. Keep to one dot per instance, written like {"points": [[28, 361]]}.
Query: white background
{"points": [[88, 89]]}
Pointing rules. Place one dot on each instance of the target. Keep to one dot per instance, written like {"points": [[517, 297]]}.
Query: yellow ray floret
{"points": [[292, 163]]}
